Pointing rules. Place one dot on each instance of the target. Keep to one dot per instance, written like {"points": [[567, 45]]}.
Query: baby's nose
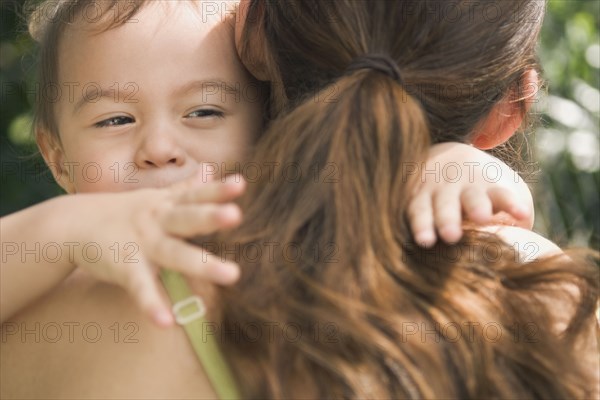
{"points": [[158, 151]]}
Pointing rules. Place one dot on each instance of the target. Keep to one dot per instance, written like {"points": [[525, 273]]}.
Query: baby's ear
{"points": [[506, 116], [53, 155]]}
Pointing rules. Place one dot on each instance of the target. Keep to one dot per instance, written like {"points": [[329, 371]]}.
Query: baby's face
{"points": [[145, 103]]}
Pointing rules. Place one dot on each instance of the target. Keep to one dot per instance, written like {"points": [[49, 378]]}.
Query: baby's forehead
{"points": [[207, 25], [165, 45], [99, 17]]}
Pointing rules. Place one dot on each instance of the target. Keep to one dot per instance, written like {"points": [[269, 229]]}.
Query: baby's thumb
{"points": [[204, 174]]}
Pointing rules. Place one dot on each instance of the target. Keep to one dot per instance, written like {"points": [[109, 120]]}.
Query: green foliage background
{"points": [[566, 188]]}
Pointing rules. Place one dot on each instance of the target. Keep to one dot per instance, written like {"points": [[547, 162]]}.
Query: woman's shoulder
{"points": [[529, 244], [87, 339]]}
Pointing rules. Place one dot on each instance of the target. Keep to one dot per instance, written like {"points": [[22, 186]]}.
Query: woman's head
{"points": [[465, 70], [457, 59]]}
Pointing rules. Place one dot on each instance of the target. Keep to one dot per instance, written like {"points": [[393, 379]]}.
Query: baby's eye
{"points": [[114, 121], [206, 113]]}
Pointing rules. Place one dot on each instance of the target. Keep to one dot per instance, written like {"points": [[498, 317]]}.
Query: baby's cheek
{"points": [[223, 145], [105, 169], [85, 186]]}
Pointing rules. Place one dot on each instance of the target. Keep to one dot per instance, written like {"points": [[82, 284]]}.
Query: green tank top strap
{"points": [[189, 312]]}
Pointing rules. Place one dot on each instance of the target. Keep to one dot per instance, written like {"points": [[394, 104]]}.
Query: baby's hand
{"points": [[459, 181], [137, 232]]}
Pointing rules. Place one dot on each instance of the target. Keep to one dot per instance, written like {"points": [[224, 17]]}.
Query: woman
{"points": [[356, 287], [366, 86]]}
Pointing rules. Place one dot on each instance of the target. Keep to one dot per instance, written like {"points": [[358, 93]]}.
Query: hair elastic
{"points": [[378, 62]]}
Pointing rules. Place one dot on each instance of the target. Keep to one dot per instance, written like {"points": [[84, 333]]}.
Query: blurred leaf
{"points": [[19, 131]]}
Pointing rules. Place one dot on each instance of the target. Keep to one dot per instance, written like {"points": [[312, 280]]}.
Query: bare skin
{"points": [[107, 349]]}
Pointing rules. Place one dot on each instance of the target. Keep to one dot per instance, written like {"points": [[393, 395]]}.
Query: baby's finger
{"points": [[204, 174], [142, 284], [476, 205], [174, 253], [448, 216], [194, 261], [213, 192], [505, 200], [193, 181], [190, 220], [420, 215]]}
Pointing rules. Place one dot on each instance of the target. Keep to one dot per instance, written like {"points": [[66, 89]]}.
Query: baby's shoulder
{"points": [[88, 339]]}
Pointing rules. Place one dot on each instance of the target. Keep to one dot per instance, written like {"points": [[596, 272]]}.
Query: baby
{"points": [[154, 96]]}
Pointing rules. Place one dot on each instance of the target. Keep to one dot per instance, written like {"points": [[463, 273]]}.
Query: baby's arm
{"points": [[122, 238], [459, 181], [34, 257]]}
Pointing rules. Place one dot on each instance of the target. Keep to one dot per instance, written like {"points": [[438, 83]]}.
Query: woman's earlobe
{"points": [[507, 116], [500, 125]]}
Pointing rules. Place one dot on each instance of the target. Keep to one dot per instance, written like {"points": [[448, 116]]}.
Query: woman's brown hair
{"points": [[335, 298]]}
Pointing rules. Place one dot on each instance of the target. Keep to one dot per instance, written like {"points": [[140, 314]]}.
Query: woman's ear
{"points": [[53, 155], [506, 117], [253, 56]]}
